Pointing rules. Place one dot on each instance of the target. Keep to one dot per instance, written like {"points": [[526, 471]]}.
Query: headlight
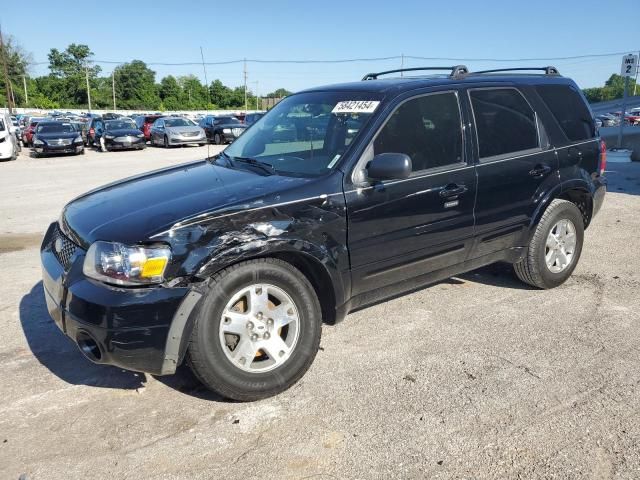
{"points": [[123, 265], [140, 135], [226, 130], [78, 139], [109, 137], [38, 142]]}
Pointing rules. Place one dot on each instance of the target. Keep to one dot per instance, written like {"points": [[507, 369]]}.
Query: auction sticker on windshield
{"points": [[355, 106]]}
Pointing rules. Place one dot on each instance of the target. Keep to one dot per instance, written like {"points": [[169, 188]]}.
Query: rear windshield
{"points": [[569, 110], [54, 128]]}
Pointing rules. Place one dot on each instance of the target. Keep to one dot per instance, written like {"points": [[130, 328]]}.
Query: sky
{"points": [[169, 31]]}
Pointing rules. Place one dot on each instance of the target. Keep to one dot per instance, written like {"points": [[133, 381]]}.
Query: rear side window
{"points": [[569, 110], [427, 129], [505, 122]]}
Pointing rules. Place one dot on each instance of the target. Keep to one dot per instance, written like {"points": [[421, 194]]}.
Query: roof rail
{"points": [[456, 71], [547, 70]]}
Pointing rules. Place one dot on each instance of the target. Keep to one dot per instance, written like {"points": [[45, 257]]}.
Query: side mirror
{"points": [[389, 166]]}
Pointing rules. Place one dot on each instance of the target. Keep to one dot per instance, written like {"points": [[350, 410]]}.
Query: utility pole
{"points": [[86, 71], [636, 79], [7, 83], [113, 87], [245, 86], [206, 80], [26, 95], [256, 93]]}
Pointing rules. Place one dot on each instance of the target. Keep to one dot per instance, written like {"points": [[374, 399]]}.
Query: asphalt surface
{"points": [[476, 377]]}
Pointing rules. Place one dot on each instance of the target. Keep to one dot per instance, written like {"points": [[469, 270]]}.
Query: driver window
{"points": [[427, 129]]}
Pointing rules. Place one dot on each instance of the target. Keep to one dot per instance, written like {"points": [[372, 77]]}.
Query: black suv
{"points": [[234, 262]]}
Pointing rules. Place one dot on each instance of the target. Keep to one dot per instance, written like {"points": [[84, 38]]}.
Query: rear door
{"points": [[400, 229], [572, 130], [515, 165]]}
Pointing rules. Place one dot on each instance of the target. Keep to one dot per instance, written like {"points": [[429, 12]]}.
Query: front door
{"points": [[400, 229]]}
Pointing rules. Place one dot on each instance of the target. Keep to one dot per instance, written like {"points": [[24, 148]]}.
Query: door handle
{"points": [[452, 190], [539, 170]]}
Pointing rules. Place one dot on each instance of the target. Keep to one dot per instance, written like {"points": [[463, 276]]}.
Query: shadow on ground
{"points": [[497, 275], [60, 355], [623, 178]]}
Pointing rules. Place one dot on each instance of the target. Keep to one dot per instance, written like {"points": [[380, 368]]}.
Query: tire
{"points": [[533, 268], [212, 362], [166, 142], [217, 139]]}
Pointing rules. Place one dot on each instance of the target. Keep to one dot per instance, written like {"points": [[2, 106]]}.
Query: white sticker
{"points": [[334, 161], [356, 106]]}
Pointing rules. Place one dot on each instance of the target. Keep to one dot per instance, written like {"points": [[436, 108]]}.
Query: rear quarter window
{"points": [[569, 110]]}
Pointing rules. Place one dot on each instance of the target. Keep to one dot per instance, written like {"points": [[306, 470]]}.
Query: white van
{"points": [[8, 141]]}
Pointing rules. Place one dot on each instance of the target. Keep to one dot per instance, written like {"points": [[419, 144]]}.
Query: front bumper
{"points": [[129, 326], [58, 149], [123, 143], [181, 140]]}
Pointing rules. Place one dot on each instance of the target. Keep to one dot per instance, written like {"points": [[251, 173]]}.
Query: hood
{"points": [[231, 125], [134, 209], [123, 132], [193, 128], [47, 137]]}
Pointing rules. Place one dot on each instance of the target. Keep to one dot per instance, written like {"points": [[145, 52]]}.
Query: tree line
{"points": [[134, 84]]}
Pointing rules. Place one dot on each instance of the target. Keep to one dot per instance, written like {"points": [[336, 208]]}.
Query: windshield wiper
{"points": [[267, 167]]}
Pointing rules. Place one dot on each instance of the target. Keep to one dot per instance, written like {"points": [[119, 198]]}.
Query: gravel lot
{"points": [[476, 377]]}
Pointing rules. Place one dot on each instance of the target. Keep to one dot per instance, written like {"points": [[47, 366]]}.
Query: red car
{"points": [[144, 122], [27, 134]]}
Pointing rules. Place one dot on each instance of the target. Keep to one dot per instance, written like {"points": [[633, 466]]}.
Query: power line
{"points": [[355, 60]]}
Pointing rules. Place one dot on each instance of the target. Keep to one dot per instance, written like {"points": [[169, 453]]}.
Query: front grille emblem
{"points": [[58, 245]]}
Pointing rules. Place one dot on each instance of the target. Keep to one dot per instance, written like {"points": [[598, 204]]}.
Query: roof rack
{"points": [[456, 71], [547, 70]]}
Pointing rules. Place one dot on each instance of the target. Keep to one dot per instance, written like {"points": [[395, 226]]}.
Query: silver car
{"points": [[170, 131]]}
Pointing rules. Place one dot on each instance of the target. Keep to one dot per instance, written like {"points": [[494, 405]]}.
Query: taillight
{"points": [[92, 131], [602, 163]]}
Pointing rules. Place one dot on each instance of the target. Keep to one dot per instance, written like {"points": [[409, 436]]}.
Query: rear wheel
{"points": [[217, 139], [257, 332], [555, 248]]}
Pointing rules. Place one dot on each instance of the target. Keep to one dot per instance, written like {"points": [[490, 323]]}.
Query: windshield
{"points": [[54, 128], [178, 122], [227, 120], [1, 126], [119, 125], [306, 134]]}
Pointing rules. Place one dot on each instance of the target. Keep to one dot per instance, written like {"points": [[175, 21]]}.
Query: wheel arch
{"points": [[318, 269]]}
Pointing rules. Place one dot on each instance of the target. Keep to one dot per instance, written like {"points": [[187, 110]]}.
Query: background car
{"points": [[144, 123], [224, 129], [171, 131], [81, 128], [27, 133], [608, 120], [251, 118], [9, 145], [121, 133], [52, 137]]}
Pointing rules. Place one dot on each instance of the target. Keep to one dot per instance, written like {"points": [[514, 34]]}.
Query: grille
{"points": [[61, 141], [237, 131], [63, 248], [190, 134]]}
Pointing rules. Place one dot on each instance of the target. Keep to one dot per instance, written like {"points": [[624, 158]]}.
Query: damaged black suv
{"points": [[338, 197]]}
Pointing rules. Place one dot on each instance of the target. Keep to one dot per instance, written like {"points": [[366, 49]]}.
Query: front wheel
{"points": [[166, 142], [555, 248], [217, 139], [257, 332]]}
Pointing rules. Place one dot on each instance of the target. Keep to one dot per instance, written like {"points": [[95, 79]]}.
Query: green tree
{"points": [[18, 62], [195, 95], [613, 88], [279, 93], [73, 65], [135, 86], [220, 94]]}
